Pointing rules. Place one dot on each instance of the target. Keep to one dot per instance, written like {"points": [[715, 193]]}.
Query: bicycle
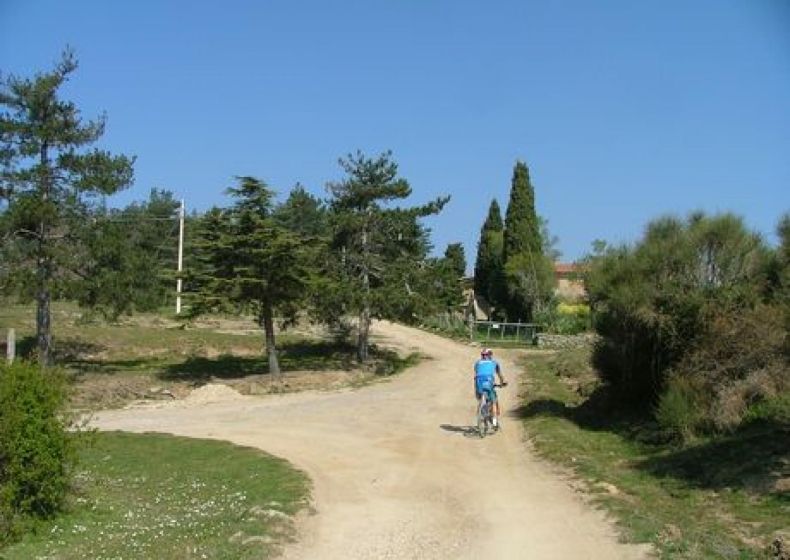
{"points": [[485, 416]]}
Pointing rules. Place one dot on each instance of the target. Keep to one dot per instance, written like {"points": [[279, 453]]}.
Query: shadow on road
{"points": [[466, 431]]}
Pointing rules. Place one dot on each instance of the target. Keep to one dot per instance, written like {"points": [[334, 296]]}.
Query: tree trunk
{"points": [[43, 270], [43, 314], [267, 322], [364, 333], [364, 314]]}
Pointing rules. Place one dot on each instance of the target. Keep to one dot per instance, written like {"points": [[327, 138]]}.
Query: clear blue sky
{"points": [[623, 110]]}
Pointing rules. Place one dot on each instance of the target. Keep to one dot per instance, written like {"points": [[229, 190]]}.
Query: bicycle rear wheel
{"points": [[482, 419]]}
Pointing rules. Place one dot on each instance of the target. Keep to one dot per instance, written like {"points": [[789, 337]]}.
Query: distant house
{"points": [[570, 285]]}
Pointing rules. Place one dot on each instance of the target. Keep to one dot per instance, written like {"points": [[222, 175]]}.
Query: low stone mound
{"points": [[213, 392]]}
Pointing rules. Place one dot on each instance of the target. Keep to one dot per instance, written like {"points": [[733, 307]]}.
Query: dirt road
{"points": [[396, 473]]}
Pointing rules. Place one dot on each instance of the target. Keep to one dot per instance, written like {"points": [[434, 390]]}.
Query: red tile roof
{"points": [[566, 268]]}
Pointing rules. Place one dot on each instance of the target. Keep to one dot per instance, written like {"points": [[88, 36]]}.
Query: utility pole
{"points": [[180, 256]]}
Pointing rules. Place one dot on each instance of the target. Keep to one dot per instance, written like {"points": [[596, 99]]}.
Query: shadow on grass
{"points": [[296, 356], [754, 457], [197, 368], [66, 350], [26, 347], [113, 367]]}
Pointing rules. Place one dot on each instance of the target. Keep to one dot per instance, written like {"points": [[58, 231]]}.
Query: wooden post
{"points": [[10, 346], [180, 255]]}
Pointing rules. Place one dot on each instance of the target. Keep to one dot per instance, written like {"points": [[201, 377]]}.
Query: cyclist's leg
{"points": [[490, 402], [495, 407]]}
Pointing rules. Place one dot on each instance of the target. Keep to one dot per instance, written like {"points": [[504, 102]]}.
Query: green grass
{"points": [[158, 496], [143, 343], [716, 498], [167, 351]]}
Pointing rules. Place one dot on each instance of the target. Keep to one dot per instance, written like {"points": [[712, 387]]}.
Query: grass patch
{"points": [[158, 496], [723, 497], [144, 343], [112, 364]]}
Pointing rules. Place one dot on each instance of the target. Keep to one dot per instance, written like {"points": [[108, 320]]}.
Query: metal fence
{"points": [[499, 332]]}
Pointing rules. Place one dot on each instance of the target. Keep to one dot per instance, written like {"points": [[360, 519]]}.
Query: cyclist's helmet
{"points": [[486, 353]]}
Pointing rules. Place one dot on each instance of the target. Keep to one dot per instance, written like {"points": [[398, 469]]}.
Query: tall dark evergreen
{"points": [[522, 226], [489, 264], [528, 272], [50, 182], [377, 249]]}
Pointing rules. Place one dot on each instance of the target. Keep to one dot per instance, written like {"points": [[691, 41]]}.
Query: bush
{"points": [[679, 411], [653, 302], [564, 318], [737, 362], [573, 318], [36, 451]]}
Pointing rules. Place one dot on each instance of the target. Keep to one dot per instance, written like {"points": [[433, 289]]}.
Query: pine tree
{"points": [[489, 265], [251, 262], [528, 272], [302, 213], [127, 257], [377, 248], [50, 182]]}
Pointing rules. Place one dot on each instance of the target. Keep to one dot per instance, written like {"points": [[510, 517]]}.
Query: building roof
{"points": [[566, 268]]}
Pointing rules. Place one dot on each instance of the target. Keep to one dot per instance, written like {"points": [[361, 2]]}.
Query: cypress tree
{"points": [[489, 263], [457, 259], [522, 227], [528, 273]]}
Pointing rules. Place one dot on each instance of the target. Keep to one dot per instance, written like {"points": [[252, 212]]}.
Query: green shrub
{"points": [[653, 302], [737, 362], [564, 318], [776, 409], [679, 411], [35, 448]]}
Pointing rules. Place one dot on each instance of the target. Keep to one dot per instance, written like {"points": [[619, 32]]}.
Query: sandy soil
{"points": [[397, 473]]}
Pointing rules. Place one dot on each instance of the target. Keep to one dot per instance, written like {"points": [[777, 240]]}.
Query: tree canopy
{"points": [[50, 182], [529, 273], [251, 262], [378, 247]]}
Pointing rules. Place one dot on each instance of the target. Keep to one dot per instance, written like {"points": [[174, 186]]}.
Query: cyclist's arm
{"points": [[499, 374]]}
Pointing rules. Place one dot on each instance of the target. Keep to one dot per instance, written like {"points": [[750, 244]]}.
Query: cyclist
{"points": [[485, 370]]}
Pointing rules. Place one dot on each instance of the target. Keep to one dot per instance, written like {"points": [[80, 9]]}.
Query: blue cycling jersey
{"points": [[485, 370]]}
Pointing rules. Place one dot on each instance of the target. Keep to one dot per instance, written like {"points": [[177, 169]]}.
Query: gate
{"points": [[517, 334]]}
